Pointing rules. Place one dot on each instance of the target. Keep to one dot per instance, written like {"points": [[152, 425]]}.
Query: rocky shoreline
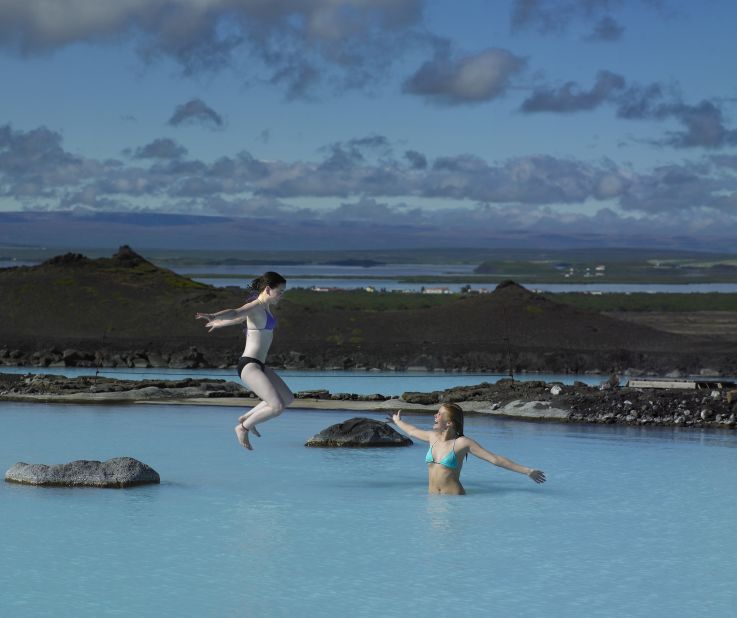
{"points": [[534, 400], [528, 361]]}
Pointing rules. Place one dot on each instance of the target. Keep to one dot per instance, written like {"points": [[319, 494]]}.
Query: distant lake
{"points": [[352, 277], [390, 284]]}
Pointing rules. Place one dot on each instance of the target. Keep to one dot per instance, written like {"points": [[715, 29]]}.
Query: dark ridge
{"points": [[509, 283], [128, 258], [68, 259]]}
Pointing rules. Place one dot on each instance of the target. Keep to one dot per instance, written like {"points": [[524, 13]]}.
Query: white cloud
{"points": [[470, 79]]}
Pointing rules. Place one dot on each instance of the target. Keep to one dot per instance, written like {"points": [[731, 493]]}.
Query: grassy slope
{"points": [[135, 303]]}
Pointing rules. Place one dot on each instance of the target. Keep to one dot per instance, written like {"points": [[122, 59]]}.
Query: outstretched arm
{"points": [[498, 460], [410, 430], [227, 317]]}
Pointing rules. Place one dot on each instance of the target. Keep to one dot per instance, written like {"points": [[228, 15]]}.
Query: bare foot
{"points": [[253, 429], [242, 434]]}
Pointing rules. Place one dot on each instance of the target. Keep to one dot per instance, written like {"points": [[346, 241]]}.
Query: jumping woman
{"points": [[266, 291], [449, 447]]}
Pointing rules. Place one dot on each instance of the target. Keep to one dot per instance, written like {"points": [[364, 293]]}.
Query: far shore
{"points": [[536, 400], [542, 413]]}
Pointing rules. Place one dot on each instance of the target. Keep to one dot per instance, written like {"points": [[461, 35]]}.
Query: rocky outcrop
{"points": [[531, 399], [582, 403], [359, 433], [98, 388], [113, 473]]}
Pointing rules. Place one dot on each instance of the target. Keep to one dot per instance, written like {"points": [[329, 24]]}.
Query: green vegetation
{"points": [[65, 281], [177, 281], [597, 269], [359, 300], [649, 302]]}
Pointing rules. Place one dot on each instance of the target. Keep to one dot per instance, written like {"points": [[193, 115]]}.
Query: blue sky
{"points": [[615, 117]]}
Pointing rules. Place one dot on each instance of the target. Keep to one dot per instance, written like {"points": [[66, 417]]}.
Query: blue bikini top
{"points": [[449, 461], [270, 323]]}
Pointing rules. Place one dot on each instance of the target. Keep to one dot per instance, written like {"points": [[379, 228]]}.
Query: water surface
{"points": [[633, 522]]}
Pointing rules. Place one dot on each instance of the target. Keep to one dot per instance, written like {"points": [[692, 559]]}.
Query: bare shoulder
{"points": [[249, 307], [465, 442], [427, 436]]}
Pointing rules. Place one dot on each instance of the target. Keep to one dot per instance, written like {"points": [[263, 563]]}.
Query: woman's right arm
{"points": [[410, 430], [227, 317]]}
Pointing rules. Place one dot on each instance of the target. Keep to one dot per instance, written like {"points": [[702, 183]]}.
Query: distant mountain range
{"points": [[85, 230]]}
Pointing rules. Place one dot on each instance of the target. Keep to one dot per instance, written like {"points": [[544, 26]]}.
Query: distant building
{"points": [[435, 290]]}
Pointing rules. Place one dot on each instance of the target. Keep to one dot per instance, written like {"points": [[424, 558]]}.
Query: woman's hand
{"points": [[394, 418], [212, 323], [537, 475]]}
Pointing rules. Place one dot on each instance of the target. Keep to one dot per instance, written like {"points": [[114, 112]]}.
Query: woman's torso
{"points": [[443, 479], [259, 330]]}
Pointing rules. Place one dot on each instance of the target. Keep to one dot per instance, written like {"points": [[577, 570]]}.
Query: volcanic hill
{"points": [[125, 310]]}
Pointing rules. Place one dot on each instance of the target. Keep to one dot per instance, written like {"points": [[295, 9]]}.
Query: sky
{"points": [[360, 123]]}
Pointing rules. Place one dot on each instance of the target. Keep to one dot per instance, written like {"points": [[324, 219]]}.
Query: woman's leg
{"points": [[271, 405], [279, 399], [285, 394]]}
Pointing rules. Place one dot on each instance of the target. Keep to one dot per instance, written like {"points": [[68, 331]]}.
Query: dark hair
{"points": [[269, 279]]}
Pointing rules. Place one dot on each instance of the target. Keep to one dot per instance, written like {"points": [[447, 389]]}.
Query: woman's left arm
{"points": [[498, 460]]}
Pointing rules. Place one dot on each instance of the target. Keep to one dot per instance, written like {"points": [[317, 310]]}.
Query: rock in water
{"points": [[117, 472], [359, 432]]}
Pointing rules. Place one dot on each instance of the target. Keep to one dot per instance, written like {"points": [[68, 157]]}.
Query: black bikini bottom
{"points": [[244, 360]]}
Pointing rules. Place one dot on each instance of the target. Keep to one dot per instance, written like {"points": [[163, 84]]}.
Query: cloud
{"points": [[703, 123], [470, 79], [416, 159], [729, 162], [362, 174], [161, 148], [570, 98], [293, 44], [195, 111], [607, 29], [555, 16], [34, 163], [685, 189]]}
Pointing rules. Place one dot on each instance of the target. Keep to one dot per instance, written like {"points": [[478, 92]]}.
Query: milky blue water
{"points": [[633, 522]]}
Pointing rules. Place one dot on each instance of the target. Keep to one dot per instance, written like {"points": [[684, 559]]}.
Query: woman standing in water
{"points": [[260, 322], [449, 448]]}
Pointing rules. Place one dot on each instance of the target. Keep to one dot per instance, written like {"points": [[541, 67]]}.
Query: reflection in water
{"points": [[439, 511]]}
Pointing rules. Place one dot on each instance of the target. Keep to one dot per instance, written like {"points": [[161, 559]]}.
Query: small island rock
{"points": [[116, 472], [359, 432]]}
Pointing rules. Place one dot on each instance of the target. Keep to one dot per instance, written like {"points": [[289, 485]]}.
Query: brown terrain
{"points": [[125, 311], [719, 325]]}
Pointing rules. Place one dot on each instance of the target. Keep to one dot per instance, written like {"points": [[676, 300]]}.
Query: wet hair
{"points": [[456, 416], [269, 279]]}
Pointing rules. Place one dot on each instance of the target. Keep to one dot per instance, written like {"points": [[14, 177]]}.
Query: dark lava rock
{"points": [[425, 399], [359, 432], [117, 472]]}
